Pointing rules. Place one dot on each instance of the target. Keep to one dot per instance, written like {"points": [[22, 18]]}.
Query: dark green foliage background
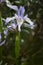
{"points": [[32, 47]]}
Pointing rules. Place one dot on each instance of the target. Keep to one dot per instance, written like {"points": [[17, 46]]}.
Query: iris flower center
{"points": [[20, 20]]}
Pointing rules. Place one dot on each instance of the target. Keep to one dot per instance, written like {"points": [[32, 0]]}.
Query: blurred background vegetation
{"points": [[31, 40]]}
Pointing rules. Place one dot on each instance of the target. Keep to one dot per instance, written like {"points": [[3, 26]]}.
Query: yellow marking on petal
{"points": [[20, 20]]}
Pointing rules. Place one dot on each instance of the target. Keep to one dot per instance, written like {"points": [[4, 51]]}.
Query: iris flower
{"points": [[19, 17]]}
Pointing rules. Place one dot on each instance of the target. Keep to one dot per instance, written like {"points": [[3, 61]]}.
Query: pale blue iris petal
{"points": [[25, 16], [13, 25], [2, 43], [18, 12], [0, 36], [6, 32], [28, 20], [9, 27], [22, 11], [29, 26], [9, 19], [14, 7]]}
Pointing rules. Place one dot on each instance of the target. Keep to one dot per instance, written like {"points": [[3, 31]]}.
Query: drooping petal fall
{"points": [[2, 43], [28, 20], [9, 19], [13, 7]]}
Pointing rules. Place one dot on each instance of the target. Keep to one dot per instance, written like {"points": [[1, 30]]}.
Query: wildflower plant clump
{"points": [[13, 24], [19, 16]]}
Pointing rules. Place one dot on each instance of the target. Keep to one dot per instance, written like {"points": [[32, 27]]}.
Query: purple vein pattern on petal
{"points": [[18, 12], [21, 11]]}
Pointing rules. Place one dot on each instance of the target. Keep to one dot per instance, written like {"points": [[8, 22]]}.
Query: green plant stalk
{"points": [[1, 23], [0, 32], [17, 48]]}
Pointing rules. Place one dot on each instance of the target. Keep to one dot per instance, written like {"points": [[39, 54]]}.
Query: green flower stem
{"points": [[1, 23], [17, 48], [0, 32]]}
